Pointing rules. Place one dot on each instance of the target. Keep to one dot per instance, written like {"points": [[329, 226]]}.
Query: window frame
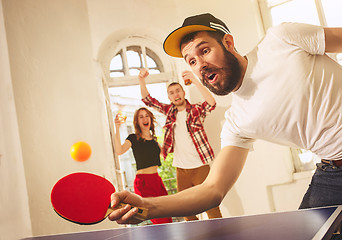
{"points": [[166, 76], [265, 7]]}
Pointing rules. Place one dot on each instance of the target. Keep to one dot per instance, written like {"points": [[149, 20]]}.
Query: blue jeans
{"points": [[325, 189]]}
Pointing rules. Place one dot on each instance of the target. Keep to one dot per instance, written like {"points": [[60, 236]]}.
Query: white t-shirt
{"points": [[291, 94], [184, 153]]}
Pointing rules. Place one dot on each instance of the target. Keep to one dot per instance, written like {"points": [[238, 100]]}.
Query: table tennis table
{"points": [[316, 223]]}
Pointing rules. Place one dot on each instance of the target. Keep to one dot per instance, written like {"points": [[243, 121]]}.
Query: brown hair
{"points": [[174, 84], [137, 128]]}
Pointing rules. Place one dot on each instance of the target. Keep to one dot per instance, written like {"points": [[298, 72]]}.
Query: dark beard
{"points": [[231, 75]]}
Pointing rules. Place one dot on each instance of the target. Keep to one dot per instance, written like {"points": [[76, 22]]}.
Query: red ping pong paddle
{"points": [[84, 198]]}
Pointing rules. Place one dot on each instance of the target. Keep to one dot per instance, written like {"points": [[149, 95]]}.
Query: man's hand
{"points": [[143, 89], [189, 77], [204, 91], [143, 73], [125, 215]]}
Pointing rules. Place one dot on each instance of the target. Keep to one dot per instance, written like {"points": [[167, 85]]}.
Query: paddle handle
{"points": [[140, 215]]}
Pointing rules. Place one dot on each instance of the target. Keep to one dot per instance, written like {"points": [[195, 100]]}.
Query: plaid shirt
{"points": [[195, 117]]}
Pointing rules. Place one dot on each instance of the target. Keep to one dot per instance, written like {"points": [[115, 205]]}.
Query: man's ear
{"points": [[228, 42]]}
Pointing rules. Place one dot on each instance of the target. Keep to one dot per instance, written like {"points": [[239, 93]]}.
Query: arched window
{"points": [[134, 53], [136, 57]]}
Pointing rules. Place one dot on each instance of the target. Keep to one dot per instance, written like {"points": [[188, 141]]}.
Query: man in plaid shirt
{"points": [[184, 133]]}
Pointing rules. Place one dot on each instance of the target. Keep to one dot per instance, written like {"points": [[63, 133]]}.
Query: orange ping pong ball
{"points": [[80, 151]]}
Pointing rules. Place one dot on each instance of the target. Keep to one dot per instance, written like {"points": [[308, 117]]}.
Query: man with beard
{"points": [[286, 91], [184, 133]]}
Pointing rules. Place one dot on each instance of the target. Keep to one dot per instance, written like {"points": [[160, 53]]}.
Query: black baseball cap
{"points": [[202, 22]]}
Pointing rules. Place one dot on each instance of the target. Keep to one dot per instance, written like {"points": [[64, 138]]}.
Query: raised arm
{"points": [[203, 90], [118, 147], [222, 176], [333, 40], [143, 89]]}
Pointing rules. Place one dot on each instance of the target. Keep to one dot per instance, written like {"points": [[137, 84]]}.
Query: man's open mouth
{"points": [[212, 77]]}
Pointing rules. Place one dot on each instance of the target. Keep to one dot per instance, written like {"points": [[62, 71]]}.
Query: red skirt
{"points": [[151, 185]]}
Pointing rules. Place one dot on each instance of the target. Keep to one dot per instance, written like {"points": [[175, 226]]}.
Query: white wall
{"points": [[59, 101], [14, 207], [56, 49]]}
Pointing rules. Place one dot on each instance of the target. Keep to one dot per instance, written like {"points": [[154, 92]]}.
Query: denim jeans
{"points": [[325, 189]]}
